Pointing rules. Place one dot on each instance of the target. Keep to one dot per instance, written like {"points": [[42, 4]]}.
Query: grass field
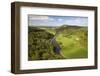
{"points": [[72, 40], [73, 45]]}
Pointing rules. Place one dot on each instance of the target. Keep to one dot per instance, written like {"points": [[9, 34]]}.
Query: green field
{"points": [[71, 39]]}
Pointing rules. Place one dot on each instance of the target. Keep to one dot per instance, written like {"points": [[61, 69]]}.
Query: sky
{"points": [[44, 20]]}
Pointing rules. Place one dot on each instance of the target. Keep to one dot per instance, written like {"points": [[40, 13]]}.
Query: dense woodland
{"points": [[39, 44]]}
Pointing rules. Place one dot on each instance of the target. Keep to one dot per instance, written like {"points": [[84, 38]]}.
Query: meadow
{"points": [[71, 39]]}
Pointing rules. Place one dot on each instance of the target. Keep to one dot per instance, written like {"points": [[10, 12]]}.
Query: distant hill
{"points": [[64, 25], [71, 28]]}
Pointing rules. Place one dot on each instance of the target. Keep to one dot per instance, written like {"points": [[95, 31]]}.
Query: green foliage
{"points": [[72, 40], [39, 45]]}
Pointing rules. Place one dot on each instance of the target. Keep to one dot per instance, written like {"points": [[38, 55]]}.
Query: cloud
{"points": [[51, 19], [77, 21], [57, 20], [60, 19], [37, 17]]}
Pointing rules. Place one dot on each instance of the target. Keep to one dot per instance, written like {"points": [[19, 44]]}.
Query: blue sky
{"points": [[42, 20]]}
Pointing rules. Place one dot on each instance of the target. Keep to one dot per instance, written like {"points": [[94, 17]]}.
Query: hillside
{"points": [[71, 39]]}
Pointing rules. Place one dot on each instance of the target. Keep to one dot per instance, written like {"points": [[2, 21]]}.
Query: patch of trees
{"points": [[39, 46]]}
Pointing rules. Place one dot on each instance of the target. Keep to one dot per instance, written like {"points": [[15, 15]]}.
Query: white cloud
{"points": [[77, 21], [56, 21], [51, 19], [60, 19], [37, 17]]}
